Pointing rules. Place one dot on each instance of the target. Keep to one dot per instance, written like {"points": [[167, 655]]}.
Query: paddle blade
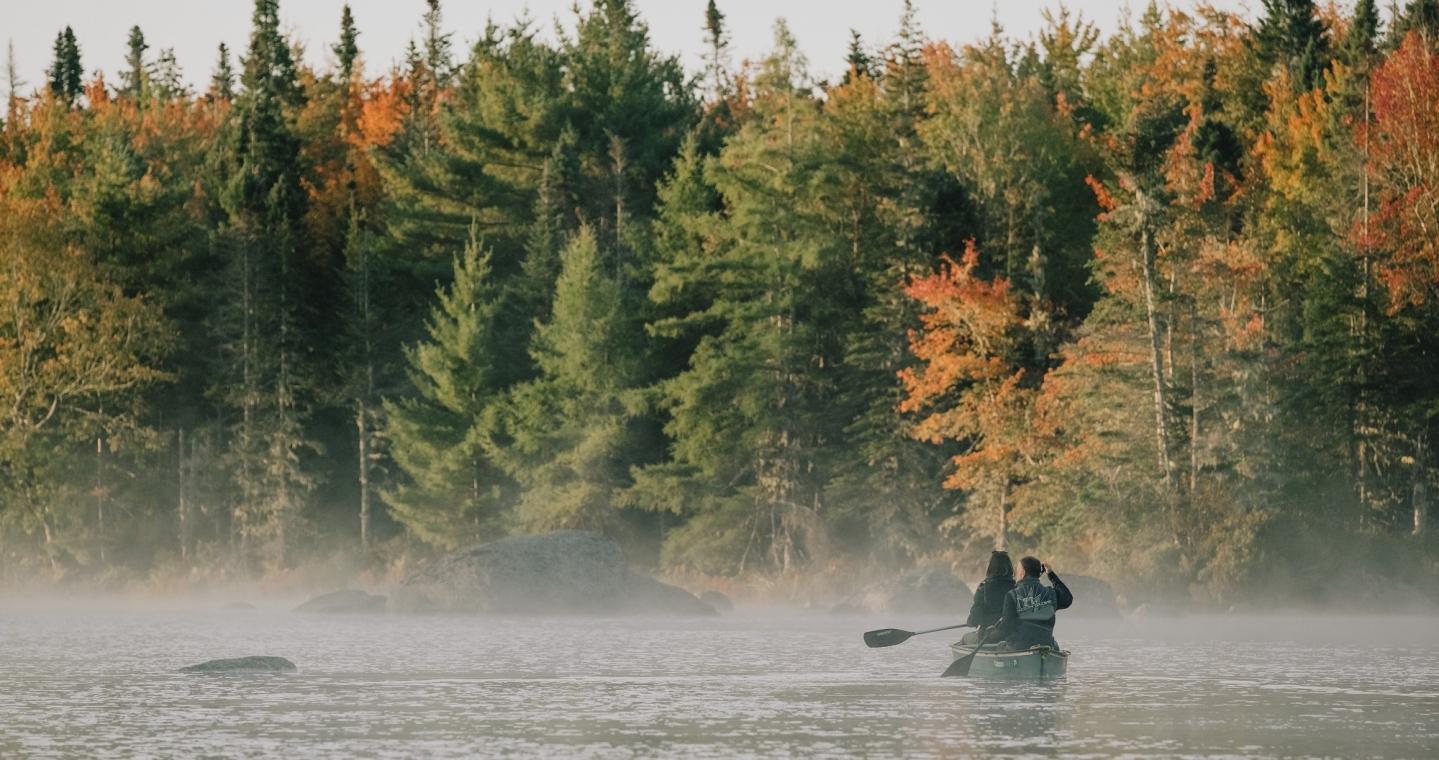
{"points": [[959, 667], [886, 637]]}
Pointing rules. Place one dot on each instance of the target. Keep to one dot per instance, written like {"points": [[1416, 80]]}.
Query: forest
{"points": [[1160, 305]]}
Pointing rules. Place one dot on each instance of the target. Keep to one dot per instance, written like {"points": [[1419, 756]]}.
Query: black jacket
{"points": [[989, 601], [1028, 615]]}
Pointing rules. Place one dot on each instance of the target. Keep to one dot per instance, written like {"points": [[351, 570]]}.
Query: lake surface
{"points": [[102, 683]]}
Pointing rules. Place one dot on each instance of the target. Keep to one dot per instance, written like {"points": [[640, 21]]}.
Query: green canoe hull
{"points": [[1039, 662]]}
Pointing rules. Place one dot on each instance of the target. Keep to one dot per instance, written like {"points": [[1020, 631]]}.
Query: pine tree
{"points": [[135, 79], [1291, 34], [222, 81], [443, 438], [573, 427], [859, 62], [66, 73], [265, 206], [347, 49], [168, 83], [717, 44]]}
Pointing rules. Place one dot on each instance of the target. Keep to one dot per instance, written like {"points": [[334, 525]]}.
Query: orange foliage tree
{"points": [[970, 386]]}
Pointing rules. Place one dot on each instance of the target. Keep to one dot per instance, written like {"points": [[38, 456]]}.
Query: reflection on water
{"points": [[81, 684]]}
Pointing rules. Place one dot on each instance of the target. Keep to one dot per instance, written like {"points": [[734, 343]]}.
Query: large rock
{"points": [[926, 591], [343, 602], [566, 572], [243, 665], [1092, 597]]}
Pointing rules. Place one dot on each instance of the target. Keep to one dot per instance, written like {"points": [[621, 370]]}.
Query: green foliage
{"points": [[442, 437]]}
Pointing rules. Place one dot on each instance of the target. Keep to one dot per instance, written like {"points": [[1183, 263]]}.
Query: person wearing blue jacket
{"points": [[1027, 619]]}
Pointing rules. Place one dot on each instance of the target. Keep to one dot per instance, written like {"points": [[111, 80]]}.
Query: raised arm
{"points": [[1062, 597]]}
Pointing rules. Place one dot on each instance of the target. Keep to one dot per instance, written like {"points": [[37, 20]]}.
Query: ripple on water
{"points": [[105, 683]]}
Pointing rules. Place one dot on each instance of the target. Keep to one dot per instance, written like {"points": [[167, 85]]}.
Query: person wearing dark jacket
{"points": [[989, 596], [1027, 619]]}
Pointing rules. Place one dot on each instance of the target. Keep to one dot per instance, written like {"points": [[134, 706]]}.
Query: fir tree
{"points": [[717, 44], [265, 205], [66, 73], [573, 427], [859, 62], [222, 80], [347, 49], [1291, 33], [135, 79], [443, 438]]}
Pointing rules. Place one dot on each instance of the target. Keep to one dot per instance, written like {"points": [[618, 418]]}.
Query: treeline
{"points": [[1160, 305]]}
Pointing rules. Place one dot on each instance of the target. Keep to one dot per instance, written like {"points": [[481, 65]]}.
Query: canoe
{"points": [[1037, 662]]}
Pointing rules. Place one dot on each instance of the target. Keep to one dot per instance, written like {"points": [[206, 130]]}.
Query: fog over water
{"points": [[101, 680]]}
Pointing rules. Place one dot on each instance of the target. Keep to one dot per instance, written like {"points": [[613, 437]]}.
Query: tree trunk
{"points": [[1002, 539], [362, 426], [1161, 427], [1421, 483], [182, 497]]}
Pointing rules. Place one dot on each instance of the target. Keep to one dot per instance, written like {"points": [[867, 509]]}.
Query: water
{"points": [[102, 683]]}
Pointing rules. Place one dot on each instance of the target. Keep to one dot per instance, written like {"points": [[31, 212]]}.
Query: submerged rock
{"points": [[566, 572], [717, 601], [243, 665], [926, 591], [343, 602]]}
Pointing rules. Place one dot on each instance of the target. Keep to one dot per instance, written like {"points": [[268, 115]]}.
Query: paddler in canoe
{"points": [[1027, 618], [989, 597]]}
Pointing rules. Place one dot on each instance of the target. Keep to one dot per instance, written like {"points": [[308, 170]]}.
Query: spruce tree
{"points": [[717, 44], [443, 437], [1291, 34], [265, 207], [135, 79], [348, 48], [573, 428], [66, 73], [222, 80], [859, 63]]}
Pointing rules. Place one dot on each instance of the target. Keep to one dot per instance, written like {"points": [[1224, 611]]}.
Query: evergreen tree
{"points": [[222, 80], [443, 438], [1291, 34], [1362, 40], [573, 428], [348, 48], [265, 206], [859, 62], [168, 83], [66, 73], [135, 79], [1419, 16], [717, 44]]}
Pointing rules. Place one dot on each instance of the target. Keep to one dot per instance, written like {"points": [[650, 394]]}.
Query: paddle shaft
{"points": [[888, 637], [961, 666]]}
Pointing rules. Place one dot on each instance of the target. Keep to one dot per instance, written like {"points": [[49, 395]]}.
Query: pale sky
{"points": [[195, 27]]}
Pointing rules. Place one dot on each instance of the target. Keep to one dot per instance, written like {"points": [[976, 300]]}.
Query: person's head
{"points": [[1032, 567], [1000, 565]]}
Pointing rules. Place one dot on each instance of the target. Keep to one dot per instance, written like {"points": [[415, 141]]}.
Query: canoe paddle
{"points": [[960, 667], [888, 637]]}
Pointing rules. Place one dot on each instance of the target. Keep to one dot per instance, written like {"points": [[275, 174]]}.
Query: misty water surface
{"points": [[102, 682]]}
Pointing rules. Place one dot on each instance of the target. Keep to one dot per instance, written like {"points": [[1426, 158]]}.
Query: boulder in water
{"points": [[565, 572], [343, 602], [243, 665], [718, 601]]}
